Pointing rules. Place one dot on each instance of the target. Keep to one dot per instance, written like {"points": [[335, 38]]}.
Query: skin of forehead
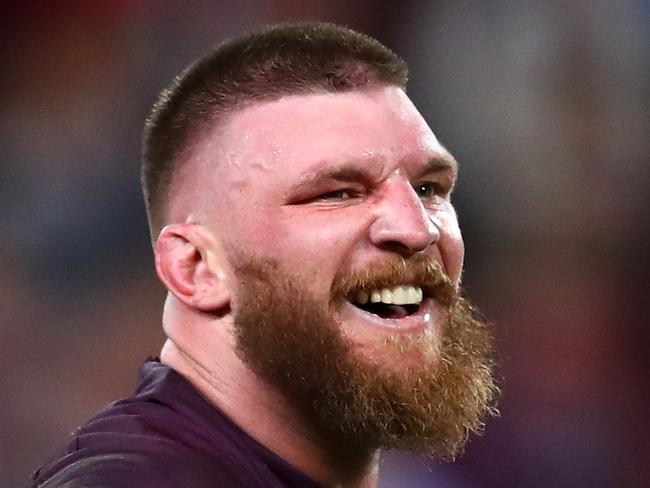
{"points": [[379, 126]]}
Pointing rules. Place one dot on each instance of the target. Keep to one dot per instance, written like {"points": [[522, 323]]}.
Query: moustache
{"points": [[417, 270]]}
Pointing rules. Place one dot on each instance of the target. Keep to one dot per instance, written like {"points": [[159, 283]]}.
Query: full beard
{"points": [[429, 405]]}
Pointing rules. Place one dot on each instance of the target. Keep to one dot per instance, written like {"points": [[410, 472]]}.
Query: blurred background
{"points": [[545, 104]]}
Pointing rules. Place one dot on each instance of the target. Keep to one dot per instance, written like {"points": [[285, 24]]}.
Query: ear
{"points": [[187, 264]]}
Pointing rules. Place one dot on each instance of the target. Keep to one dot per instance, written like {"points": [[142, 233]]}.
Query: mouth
{"points": [[403, 308], [389, 303]]}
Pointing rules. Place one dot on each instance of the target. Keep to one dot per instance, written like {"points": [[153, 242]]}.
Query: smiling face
{"points": [[334, 213]]}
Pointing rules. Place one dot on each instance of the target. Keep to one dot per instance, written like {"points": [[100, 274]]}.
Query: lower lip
{"points": [[415, 323]]}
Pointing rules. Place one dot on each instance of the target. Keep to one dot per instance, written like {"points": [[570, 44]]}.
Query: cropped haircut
{"points": [[284, 59]]}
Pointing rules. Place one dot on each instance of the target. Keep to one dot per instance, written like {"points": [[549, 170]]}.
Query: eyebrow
{"points": [[440, 162], [353, 173], [347, 173]]}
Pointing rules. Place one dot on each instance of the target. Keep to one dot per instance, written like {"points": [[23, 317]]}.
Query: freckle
{"points": [[239, 185]]}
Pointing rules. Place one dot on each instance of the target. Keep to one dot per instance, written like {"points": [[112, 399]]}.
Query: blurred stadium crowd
{"points": [[545, 105]]}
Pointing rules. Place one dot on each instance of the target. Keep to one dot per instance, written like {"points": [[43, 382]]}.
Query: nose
{"points": [[402, 224]]}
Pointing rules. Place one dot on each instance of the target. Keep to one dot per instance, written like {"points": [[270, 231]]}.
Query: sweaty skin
{"points": [[320, 183], [260, 178]]}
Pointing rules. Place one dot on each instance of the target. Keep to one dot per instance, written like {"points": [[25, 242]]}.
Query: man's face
{"points": [[334, 211], [332, 183]]}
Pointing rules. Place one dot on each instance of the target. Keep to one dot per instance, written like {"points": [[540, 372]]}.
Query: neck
{"points": [[267, 416]]}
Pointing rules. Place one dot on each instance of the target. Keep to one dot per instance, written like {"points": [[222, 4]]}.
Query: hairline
{"points": [[364, 63]]}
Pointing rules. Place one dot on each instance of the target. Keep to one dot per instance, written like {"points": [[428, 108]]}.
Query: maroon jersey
{"points": [[166, 435]]}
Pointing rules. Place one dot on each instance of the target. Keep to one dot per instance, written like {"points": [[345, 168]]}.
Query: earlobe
{"points": [[186, 266]]}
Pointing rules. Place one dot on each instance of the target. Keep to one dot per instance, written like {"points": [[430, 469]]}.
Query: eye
{"points": [[426, 189], [332, 198], [336, 195]]}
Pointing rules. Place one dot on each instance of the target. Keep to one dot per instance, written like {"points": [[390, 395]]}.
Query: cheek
{"points": [[249, 232], [319, 240], [311, 245], [451, 243]]}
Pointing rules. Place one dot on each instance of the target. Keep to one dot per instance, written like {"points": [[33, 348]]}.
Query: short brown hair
{"points": [[279, 60]]}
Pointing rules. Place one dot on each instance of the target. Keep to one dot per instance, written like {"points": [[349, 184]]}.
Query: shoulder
{"points": [[165, 435], [129, 469], [146, 445]]}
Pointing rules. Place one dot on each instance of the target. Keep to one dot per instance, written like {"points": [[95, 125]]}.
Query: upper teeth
{"points": [[398, 295]]}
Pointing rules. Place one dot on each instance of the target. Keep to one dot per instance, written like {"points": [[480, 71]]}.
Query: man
{"points": [[300, 211]]}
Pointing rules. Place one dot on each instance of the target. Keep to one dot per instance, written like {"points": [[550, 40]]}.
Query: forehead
{"points": [[379, 128]]}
